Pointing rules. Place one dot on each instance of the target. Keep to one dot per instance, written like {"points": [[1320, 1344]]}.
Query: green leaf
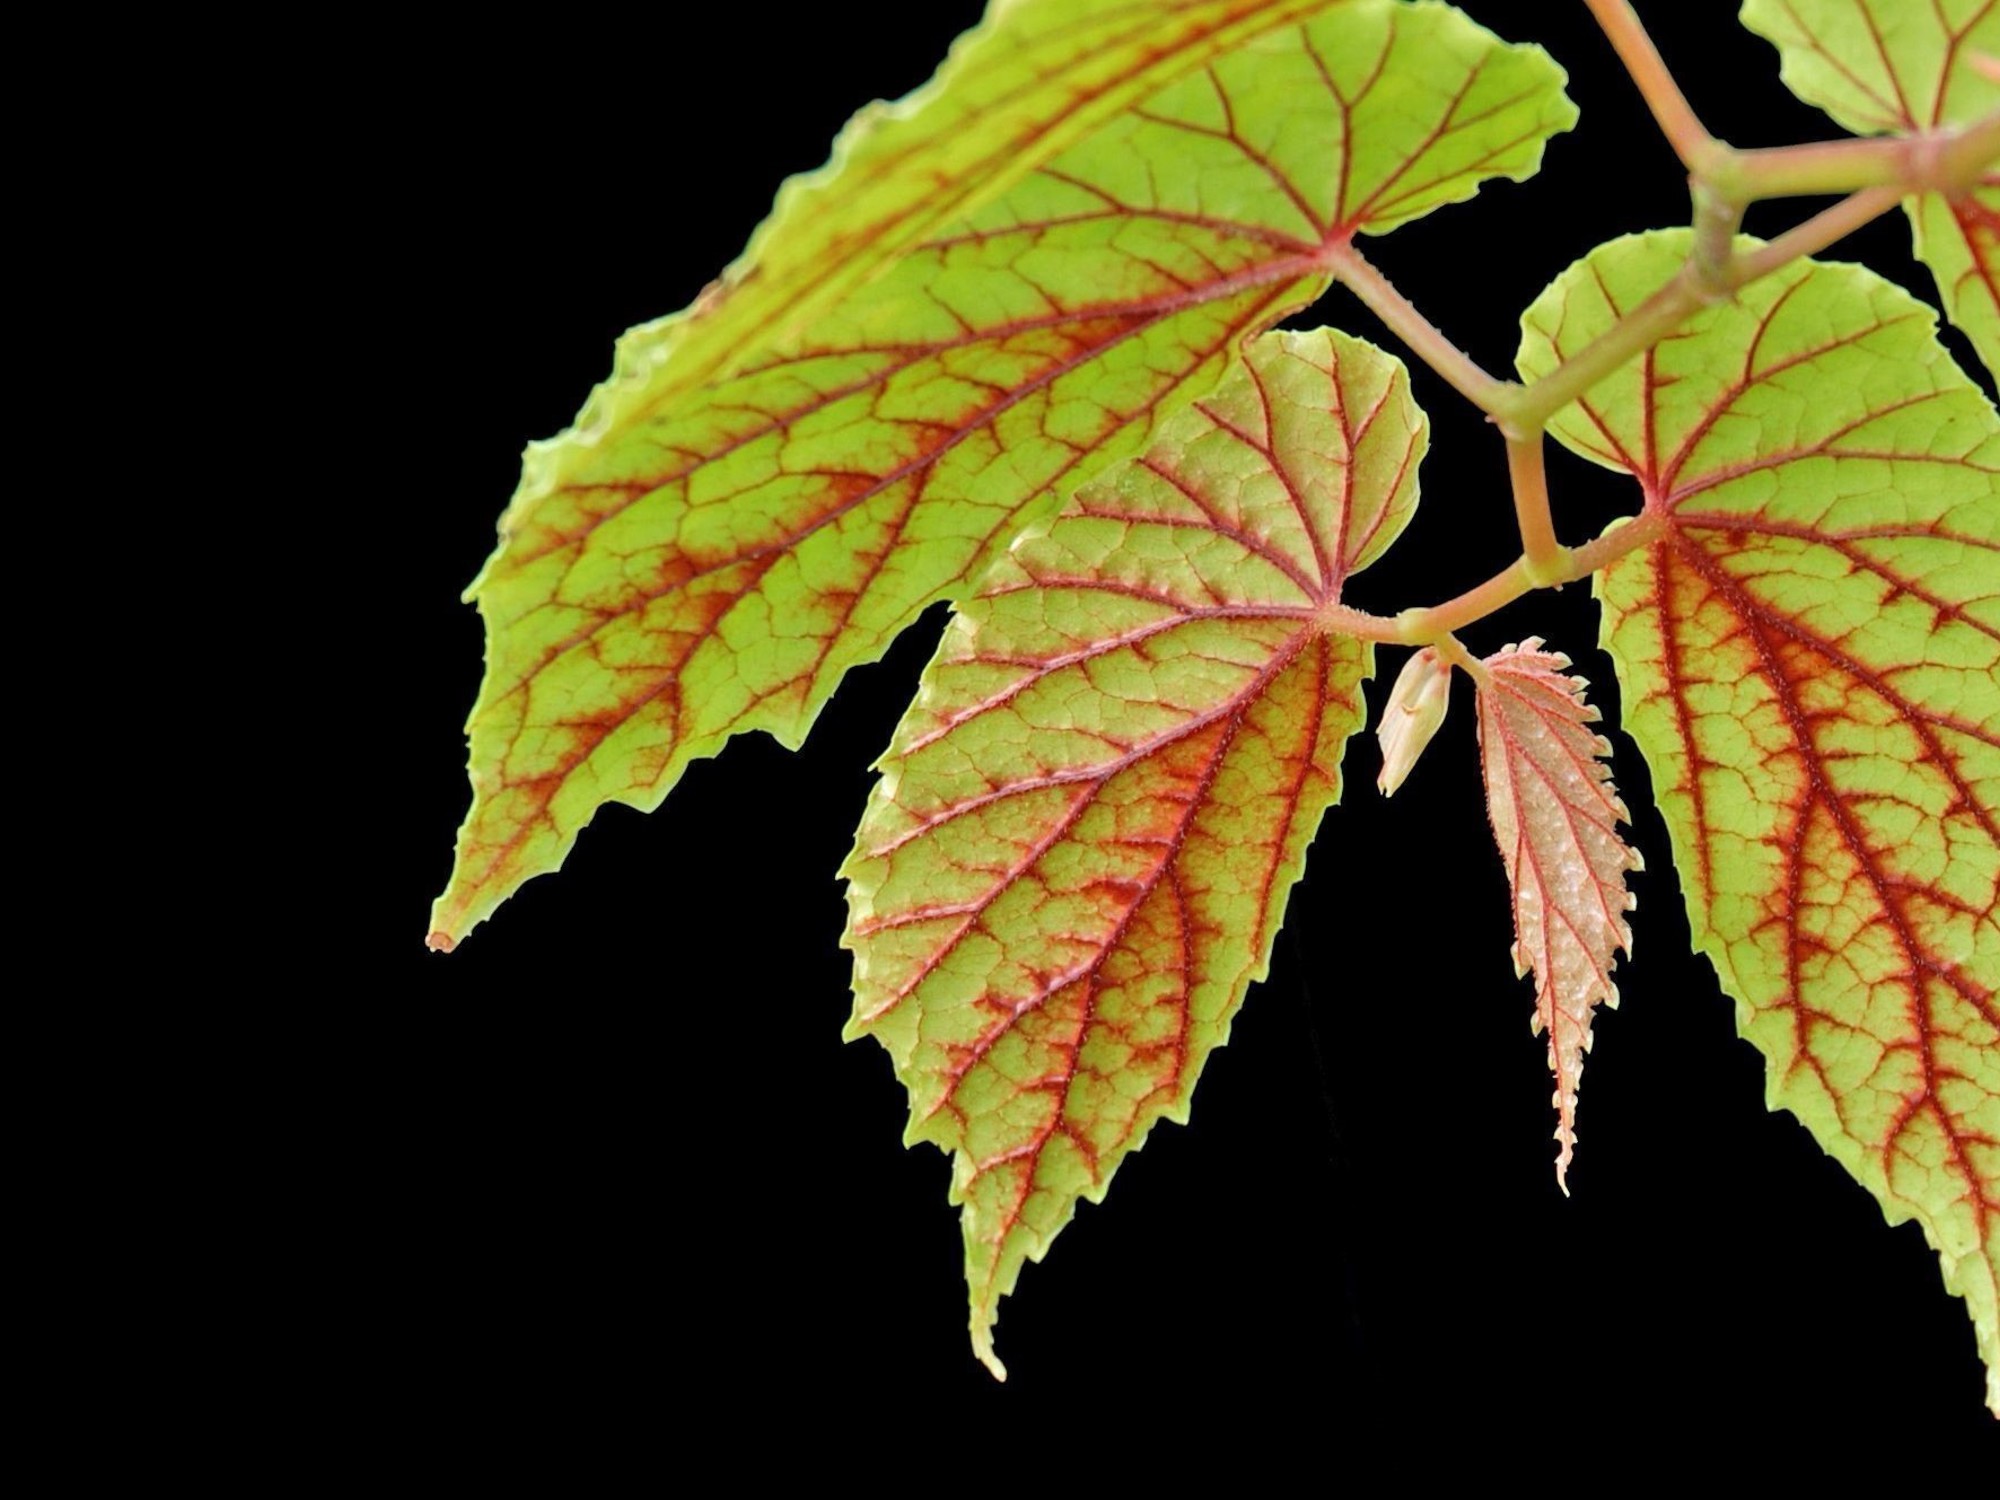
{"points": [[993, 291], [1888, 66], [1555, 816], [1959, 239], [1089, 821], [1809, 647]]}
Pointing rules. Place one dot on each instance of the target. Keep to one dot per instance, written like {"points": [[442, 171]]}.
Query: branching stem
{"points": [[1423, 627], [1449, 648], [1530, 407], [1524, 411], [1813, 236], [1946, 161], [1875, 174]]}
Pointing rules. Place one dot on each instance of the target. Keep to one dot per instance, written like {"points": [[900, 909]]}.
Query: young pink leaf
{"points": [[1555, 817], [1089, 821]]}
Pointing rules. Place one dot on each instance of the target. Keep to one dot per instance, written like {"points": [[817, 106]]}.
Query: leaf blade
{"points": [[1810, 655], [1554, 815], [768, 491], [1086, 827], [1959, 239]]}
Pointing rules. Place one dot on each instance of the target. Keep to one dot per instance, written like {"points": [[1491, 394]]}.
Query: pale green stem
{"points": [[1813, 236], [1545, 556], [1947, 161], [1530, 408], [1820, 167], [1545, 563], [1339, 619], [1878, 174], [1717, 218], [1963, 156], [1417, 332], [1652, 320], [1684, 132], [1419, 627], [1449, 648], [1423, 627]]}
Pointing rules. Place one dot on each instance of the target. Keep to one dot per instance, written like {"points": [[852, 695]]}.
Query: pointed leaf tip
{"points": [[1555, 814], [440, 942]]}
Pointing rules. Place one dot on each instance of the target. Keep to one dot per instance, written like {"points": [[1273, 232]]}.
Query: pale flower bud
{"points": [[1415, 709]]}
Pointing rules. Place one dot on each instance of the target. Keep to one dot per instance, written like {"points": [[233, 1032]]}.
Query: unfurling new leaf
{"points": [[1089, 821], [1411, 717], [1555, 817]]}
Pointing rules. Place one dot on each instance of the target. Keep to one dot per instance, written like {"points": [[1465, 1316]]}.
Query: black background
{"points": [[607, 1175]]}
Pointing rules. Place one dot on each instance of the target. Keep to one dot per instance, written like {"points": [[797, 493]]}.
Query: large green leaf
{"points": [[1089, 821], [993, 291], [1810, 655], [1884, 66]]}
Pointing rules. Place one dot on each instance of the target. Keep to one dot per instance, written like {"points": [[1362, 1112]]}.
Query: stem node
{"points": [[1717, 217], [1413, 625], [1552, 570]]}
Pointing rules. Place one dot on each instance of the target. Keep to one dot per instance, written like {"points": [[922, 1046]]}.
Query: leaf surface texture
{"points": [[1809, 651], [1088, 823], [1555, 816]]}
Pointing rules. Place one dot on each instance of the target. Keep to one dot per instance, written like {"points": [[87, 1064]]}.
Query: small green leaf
{"points": [[1888, 66], [1089, 821], [993, 291], [1809, 649]]}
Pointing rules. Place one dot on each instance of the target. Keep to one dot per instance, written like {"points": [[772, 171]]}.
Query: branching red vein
{"points": [[923, 462], [1135, 753]]}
